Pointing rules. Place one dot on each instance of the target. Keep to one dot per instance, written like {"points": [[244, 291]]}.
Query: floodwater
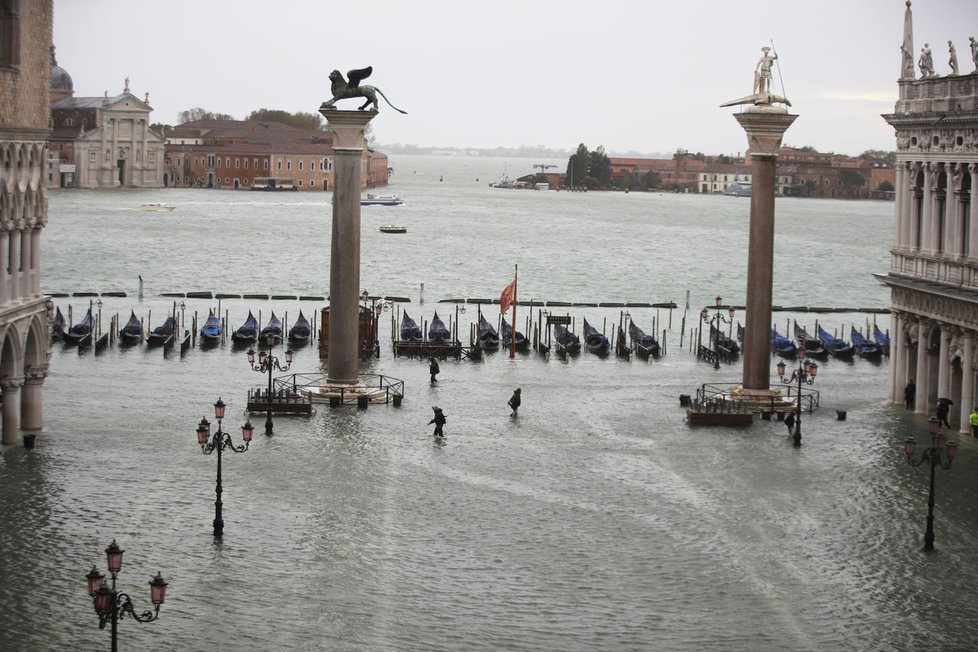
{"points": [[595, 520]]}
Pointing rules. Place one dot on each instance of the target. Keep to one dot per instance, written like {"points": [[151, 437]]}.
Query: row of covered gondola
{"points": [[824, 344]]}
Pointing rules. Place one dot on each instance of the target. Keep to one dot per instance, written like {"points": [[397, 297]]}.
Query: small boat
{"points": [[81, 331], [273, 184], [247, 332], [58, 326], [595, 341], [409, 329], [273, 328], [301, 331], [507, 333], [837, 348], [132, 332], [393, 228], [567, 340], [381, 200], [211, 331], [813, 346], [738, 189], [156, 207], [865, 347], [724, 341], [882, 339], [437, 332], [488, 337], [643, 345], [783, 346], [162, 333]]}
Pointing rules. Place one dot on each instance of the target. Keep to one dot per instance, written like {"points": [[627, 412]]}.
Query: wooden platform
{"points": [[440, 350], [283, 402], [719, 418]]}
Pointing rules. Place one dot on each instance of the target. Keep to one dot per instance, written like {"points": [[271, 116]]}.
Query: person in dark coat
{"points": [[439, 421], [789, 422], [943, 408], [433, 369], [514, 402], [910, 395]]}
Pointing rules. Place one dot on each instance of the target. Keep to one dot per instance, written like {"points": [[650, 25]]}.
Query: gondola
{"points": [[273, 328], [162, 333], [301, 331], [740, 333], [595, 341], [865, 348], [814, 348], [81, 331], [409, 329], [437, 332], [783, 346], [567, 340], [211, 331], [882, 339], [724, 341], [507, 333], [837, 348], [488, 337], [247, 332], [644, 345], [58, 326], [132, 332]]}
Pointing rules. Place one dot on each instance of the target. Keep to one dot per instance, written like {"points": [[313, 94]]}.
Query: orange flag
{"points": [[506, 298]]}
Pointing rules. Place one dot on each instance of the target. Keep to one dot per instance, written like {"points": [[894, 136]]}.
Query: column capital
{"points": [[8, 383], [348, 127], [35, 374], [764, 131]]}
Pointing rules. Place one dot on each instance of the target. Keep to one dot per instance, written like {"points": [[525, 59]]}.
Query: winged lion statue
{"points": [[350, 87]]}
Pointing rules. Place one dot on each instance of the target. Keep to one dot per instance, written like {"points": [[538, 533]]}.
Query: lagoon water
{"points": [[596, 520]]}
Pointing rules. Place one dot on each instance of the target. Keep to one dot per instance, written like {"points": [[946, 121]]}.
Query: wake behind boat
{"points": [[157, 207]]}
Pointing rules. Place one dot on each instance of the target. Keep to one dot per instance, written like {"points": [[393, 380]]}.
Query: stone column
{"points": [[972, 234], [35, 290], [11, 408], [31, 403], [900, 197], [15, 252], [898, 356], [915, 237], [927, 211], [967, 398], [765, 126], [25, 264], [951, 241], [344, 262], [4, 266], [923, 378], [943, 363]]}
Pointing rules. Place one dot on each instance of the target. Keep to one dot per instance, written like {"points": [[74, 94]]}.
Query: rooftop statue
{"points": [[343, 89], [926, 62], [762, 95], [953, 61], [974, 51]]}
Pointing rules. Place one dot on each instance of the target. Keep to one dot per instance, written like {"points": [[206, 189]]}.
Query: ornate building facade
{"points": [[25, 315], [933, 273]]}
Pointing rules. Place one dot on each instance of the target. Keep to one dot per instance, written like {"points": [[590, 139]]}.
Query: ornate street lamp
{"points": [[267, 362], [805, 373], [111, 605], [219, 442], [941, 453], [717, 319]]}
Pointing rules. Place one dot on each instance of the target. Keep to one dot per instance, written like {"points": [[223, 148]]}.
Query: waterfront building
{"points": [[100, 142], [25, 315], [933, 275]]}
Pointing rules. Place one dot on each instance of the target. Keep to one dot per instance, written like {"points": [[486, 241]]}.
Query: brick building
{"points": [[25, 314]]}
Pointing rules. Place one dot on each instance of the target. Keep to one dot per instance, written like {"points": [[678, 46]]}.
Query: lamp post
{"points": [[941, 453], [805, 373], [267, 362], [719, 319], [219, 442], [111, 605]]}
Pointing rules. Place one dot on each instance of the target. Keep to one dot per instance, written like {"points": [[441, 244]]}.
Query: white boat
{"points": [[381, 200], [156, 207], [273, 184], [738, 189], [393, 228]]}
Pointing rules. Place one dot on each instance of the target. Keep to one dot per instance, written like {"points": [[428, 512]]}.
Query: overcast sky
{"points": [[645, 76]]}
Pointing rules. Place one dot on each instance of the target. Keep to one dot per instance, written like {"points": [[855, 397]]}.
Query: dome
{"points": [[60, 79]]}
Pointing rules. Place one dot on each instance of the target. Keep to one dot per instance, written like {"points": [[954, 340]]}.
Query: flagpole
{"points": [[512, 339]]}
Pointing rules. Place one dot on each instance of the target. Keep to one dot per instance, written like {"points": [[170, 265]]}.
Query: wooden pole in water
{"points": [[512, 337]]}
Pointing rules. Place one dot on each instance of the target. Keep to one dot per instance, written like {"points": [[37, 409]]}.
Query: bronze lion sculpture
{"points": [[343, 89]]}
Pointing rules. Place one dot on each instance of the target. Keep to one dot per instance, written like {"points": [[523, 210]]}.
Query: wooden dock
{"points": [[284, 401], [440, 350]]}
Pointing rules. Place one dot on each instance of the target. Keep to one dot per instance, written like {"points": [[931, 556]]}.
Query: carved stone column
{"points": [[923, 378], [11, 408], [927, 210], [967, 398], [344, 261], [765, 129], [4, 265], [944, 362], [898, 357], [31, 398], [25, 264], [901, 198], [972, 234], [915, 221], [950, 214]]}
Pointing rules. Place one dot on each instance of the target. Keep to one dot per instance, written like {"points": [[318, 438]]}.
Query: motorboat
{"points": [[157, 207], [738, 189], [393, 228], [374, 199]]}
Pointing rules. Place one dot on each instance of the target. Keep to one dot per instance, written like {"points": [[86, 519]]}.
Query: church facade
{"points": [[933, 275]]}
